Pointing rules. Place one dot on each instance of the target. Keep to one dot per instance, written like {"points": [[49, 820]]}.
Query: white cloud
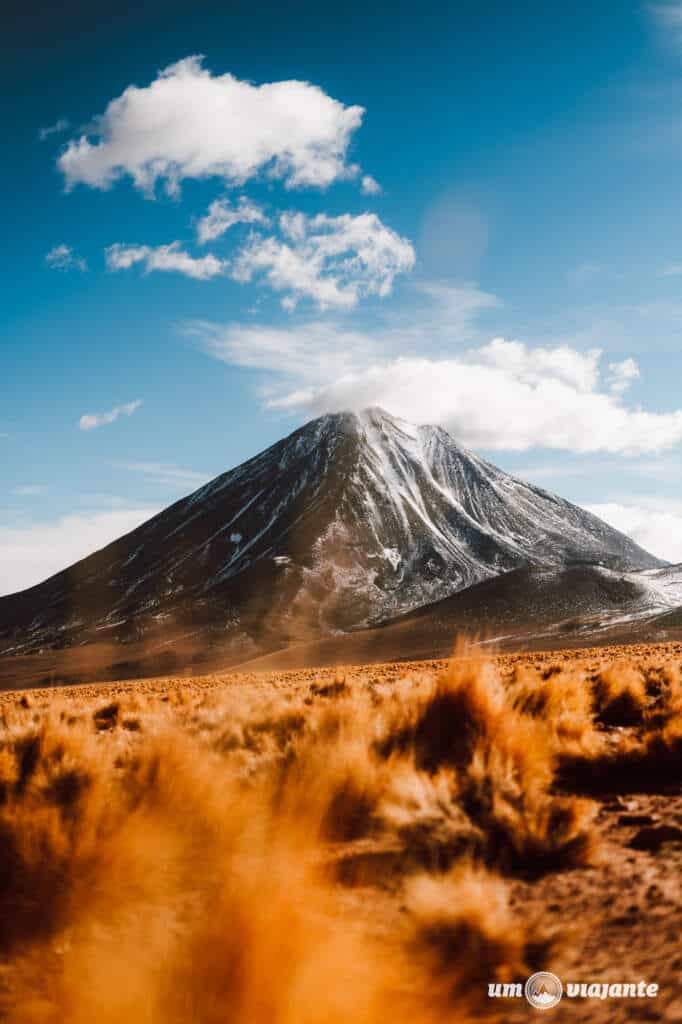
{"points": [[190, 124], [662, 468], [490, 406], [92, 420], [579, 370], [308, 353], [166, 475], [621, 375], [62, 257], [164, 257], [57, 128], [30, 554], [332, 260], [655, 525], [503, 395], [222, 215], [370, 186]]}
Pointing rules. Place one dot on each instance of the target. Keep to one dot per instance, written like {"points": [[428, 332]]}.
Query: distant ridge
{"points": [[537, 609]]}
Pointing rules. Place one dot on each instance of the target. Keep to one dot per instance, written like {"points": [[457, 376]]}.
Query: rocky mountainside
{"points": [[538, 608], [353, 519]]}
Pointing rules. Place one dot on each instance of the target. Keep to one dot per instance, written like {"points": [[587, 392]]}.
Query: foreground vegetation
{"points": [[328, 848]]}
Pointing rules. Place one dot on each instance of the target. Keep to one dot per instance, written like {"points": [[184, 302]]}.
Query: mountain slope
{"points": [[352, 519], [577, 606]]}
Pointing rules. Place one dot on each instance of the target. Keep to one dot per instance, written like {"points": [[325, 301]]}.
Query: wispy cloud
{"points": [[316, 349], [57, 128], [655, 525], [222, 215], [166, 475], [62, 257], [30, 554], [90, 421], [661, 468], [164, 257]]}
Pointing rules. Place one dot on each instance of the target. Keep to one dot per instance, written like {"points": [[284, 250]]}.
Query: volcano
{"points": [[351, 520]]}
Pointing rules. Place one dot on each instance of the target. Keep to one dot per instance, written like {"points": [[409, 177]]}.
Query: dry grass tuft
{"points": [[620, 695], [464, 918], [644, 751]]}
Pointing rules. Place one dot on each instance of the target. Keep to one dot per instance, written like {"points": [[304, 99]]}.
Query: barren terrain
{"points": [[344, 844]]}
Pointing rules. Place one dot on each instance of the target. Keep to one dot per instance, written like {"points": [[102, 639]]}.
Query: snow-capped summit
{"points": [[350, 520]]}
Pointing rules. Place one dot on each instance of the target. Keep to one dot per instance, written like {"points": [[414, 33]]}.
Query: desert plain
{"points": [[354, 843]]}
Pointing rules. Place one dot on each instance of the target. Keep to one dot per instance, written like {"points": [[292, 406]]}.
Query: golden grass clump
{"points": [[620, 695], [558, 696], [499, 767], [464, 917], [637, 741]]}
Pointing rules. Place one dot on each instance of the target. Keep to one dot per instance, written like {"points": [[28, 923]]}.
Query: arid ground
{"points": [[363, 844]]}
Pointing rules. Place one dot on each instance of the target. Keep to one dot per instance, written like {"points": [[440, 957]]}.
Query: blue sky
{"points": [[468, 213]]}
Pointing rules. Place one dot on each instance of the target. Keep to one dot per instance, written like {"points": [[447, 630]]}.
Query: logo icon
{"points": [[543, 990]]}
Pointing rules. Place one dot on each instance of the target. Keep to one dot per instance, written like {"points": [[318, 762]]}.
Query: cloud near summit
{"points": [[189, 123], [501, 394]]}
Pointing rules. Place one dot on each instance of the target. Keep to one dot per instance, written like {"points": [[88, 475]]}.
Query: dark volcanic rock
{"points": [[653, 836]]}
